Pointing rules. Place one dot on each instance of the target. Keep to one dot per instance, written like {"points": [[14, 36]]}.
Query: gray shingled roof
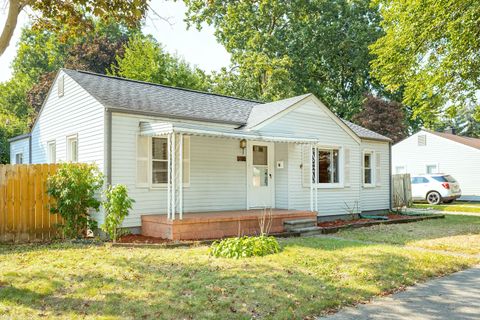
{"points": [[137, 96], [365, 133], [118, 93]]}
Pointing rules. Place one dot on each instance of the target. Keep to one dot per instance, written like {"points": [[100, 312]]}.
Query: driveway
{"points": [[452, 297]]}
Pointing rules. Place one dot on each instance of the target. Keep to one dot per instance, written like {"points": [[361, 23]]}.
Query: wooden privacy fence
{"points": [[25, 204], [401, 190]]}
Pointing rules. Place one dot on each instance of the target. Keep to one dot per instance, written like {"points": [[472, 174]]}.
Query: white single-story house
{"points": [[441, 152], [183, 151]]}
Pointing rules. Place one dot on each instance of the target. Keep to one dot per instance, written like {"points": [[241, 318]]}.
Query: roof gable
{"points": [[468, 141]]}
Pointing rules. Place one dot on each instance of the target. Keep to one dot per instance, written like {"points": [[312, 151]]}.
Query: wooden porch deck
{"points": [[217, 224]]}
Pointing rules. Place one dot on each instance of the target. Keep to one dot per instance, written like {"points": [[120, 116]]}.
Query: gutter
{"points": [[108, 146], [390, 174]]}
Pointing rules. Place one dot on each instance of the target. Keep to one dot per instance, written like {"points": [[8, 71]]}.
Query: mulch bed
{"points": [[340, 222], [138, 238]]}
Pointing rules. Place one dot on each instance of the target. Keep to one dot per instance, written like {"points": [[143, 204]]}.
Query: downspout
{"points": [[390, 174], [108, 147]]}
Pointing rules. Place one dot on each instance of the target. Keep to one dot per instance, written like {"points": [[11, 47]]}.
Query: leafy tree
{"points": [[144, 59], [280, 48], [74, 187], [10, 126], [431, 50], [117, 205], [384, 117], [68, 18]]}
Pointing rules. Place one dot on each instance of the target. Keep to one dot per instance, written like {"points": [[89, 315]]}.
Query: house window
{"points": [[52, 152], [19, 158], [367, 168], [431, 168], [159, 160], [328, 166], [72, 148]]}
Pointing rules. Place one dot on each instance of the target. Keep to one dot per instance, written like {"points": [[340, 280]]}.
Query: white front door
{"points": [[260, 179]]}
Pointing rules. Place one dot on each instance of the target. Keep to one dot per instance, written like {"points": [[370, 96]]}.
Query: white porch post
{"points": [[311, 177], [180, 181], [174, 176], [169, 176], [316, 179]]}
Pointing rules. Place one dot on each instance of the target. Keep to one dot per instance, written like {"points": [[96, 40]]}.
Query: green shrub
{"points": [[243, 247], [74, 187], [117, 204]]}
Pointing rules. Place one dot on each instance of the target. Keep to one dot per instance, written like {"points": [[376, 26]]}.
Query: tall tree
{"points": [[144, 59], [382, 116], [431, 49], [318, 46], [68, 18]]}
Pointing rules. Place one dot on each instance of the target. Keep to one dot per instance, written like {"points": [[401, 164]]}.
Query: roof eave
{"points": [[20, 137]]}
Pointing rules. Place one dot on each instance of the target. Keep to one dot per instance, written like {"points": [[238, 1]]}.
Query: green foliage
{"points": [[430, 50], [145, 59], [10, 126], [244, 247], [117, 205], [283, 48], [74, 187]]}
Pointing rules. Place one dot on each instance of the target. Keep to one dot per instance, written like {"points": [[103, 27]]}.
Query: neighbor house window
{"points": [[431, 168], [327, 165], [367, 168], [400, 169], [159, 160], [72, 148], [52, 152], [19, 158]]}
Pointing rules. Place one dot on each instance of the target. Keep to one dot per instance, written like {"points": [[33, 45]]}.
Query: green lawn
{"points": [[453, 207], [455, 233], [310, 276]]}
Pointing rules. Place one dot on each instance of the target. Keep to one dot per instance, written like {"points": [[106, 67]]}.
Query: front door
{"points": [[260, 179]]}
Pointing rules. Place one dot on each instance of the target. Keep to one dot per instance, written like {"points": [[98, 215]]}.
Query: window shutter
{"points": [[378, 166], [346, 171], [307, 174], [142, 161], [186, 160]]}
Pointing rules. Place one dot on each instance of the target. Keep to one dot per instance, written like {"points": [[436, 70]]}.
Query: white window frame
{"points": [[17, 155], [372, 168], [430, 165], [53, 144], [151, 160], [400, 166], [340, 168], [70, 138]]}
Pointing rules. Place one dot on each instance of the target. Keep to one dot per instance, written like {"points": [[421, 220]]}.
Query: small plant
{"points": [[117, 205], [352, 211], [244, 247], [73, 188], [265, 221]]}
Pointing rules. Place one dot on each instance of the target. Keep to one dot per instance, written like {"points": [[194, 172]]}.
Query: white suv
{"points": [[435, 188]]}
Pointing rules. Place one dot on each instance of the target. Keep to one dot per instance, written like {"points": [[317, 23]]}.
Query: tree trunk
{"points": [[14, 9]]}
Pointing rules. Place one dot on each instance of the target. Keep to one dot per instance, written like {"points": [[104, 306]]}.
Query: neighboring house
{"points": [[20, 149], [441, 152], [181, 150]]}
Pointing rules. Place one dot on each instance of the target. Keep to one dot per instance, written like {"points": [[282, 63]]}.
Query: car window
{"points": [[417, 180], [440, 178], [450, 179]]}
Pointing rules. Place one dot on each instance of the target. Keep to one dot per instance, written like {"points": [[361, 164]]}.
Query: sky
{"points": [[200, 48]]}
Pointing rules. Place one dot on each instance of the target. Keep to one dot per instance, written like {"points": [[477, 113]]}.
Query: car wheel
{"points": [[434, 197], [448, 201]]}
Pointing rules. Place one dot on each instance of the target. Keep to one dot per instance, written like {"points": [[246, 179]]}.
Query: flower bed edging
{"points": [[414, 218]]}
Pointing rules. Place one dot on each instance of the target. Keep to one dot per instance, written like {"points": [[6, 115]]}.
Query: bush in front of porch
{"points": [[244, 247]]}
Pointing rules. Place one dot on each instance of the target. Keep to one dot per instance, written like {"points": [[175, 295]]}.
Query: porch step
{"points": [[291, 225], [308, 231]]}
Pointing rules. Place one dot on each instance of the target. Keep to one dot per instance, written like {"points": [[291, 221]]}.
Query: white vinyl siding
{"points": [[75, 113], [377, 195], [217, 179], [19, 146], [453, 158]]}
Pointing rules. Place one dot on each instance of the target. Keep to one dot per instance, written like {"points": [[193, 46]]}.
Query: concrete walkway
{"points": [[456, 296]]}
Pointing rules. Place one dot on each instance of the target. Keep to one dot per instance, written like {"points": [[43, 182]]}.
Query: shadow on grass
{"points": [[311, 275]]}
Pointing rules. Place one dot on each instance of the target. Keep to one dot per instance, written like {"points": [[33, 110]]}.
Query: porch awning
{"points": [[163, 128]]}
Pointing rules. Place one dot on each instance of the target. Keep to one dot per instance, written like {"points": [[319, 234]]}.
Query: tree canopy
{"points": [[431, 51]]}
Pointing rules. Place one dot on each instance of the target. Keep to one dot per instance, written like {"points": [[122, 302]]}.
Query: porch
{"points": [[215, 225]]}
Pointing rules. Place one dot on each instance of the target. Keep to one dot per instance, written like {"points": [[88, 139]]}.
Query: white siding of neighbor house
{"points": [[312, 121], [456, 159], [76, 112], [217, 179], [20, 146], [377, 197]]}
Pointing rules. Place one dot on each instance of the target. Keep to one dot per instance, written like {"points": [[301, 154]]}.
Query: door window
{"points": [[260, 166]]}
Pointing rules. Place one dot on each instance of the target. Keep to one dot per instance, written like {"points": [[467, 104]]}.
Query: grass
{"points": [[453, 207], [456, 233], [308, 277]]}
